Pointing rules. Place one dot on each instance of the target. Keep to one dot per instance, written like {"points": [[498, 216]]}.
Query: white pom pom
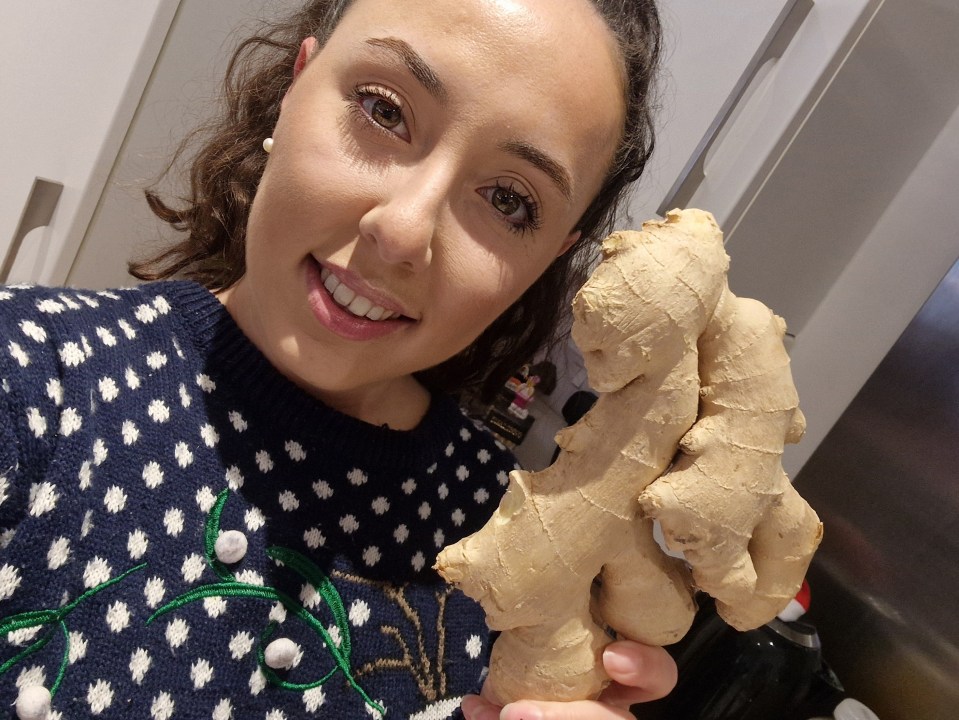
{"points": [[33, 703], [230, 547], [281, 653]]}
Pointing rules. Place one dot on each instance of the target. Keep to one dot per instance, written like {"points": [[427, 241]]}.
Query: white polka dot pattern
{"points": [[137, 427]]}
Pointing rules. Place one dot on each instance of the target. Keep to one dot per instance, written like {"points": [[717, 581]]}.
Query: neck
{"points": [[399, 403]]}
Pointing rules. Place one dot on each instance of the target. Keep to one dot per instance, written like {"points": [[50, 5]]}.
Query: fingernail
{"points": [[521, 711], [617, 662]]}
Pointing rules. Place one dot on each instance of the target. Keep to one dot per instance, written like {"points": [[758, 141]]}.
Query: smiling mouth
{"points": [[358, 305]]}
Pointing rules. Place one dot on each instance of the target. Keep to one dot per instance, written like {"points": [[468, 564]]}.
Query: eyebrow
{"points": [[421, 70], [415, 63], [536, 157]]}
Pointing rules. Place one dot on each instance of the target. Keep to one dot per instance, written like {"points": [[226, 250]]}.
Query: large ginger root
{"points": [[696, 403]]}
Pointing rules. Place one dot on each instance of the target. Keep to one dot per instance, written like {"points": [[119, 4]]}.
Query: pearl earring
{"points": [[268, 145]]}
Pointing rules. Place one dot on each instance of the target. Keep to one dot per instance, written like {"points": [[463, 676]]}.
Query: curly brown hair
{"points": [[226, 170]]}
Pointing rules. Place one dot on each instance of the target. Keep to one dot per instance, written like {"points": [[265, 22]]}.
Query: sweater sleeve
{"points": [[8, 452], [29, 394]]}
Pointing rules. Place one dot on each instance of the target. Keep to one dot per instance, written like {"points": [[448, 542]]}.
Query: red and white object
{"points": [[798, 606]]}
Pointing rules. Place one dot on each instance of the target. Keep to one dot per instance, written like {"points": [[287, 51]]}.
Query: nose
{"points": [[403, 221]]}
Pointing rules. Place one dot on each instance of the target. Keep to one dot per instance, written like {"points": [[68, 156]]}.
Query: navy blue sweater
{"points": [[139, 426]]}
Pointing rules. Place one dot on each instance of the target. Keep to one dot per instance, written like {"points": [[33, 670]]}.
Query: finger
{"points": [[577, 710], [476, 708], [640, 673]]}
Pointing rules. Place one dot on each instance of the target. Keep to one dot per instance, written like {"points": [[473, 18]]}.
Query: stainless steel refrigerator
{"points": [[885, 583]]}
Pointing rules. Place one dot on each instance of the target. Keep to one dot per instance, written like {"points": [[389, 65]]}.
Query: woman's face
{"points": [[429, 162]]}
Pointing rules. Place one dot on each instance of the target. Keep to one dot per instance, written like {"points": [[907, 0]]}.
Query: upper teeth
{"points": [[356, 304]]}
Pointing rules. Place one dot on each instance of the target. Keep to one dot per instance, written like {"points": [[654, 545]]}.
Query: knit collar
{"points": [[255, 382]]}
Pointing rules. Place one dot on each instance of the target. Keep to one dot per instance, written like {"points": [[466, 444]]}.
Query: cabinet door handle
{"points": [[773, 46], [38, 211]]}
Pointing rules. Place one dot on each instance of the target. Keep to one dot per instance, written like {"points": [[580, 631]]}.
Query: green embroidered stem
{"points": [[64, 661], [230, 587], [26, 652], [211, 533], [39, 618], [324, 586], [69, 607], [306, 569], [224, 589], [25, 620], [238, 589]]}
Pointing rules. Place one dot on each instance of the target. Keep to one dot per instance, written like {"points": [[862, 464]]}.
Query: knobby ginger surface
{"points": [[696, 402]]}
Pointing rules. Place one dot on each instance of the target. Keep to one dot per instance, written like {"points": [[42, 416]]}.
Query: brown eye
{"points": [[382, 109], [386, 114], [519, 211], [506, 201]]}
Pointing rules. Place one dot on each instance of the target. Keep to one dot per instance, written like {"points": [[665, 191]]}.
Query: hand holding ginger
{"points": [[639, 673], [696, 403]]}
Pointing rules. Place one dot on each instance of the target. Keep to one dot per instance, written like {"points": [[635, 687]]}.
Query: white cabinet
{"points": [[712, 50], [73, 74], [96, 96], [779, 97], [181, 94], [856, 225], [739, 79]]}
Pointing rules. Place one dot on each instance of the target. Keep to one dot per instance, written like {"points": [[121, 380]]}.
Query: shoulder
{"points": [[473, 436], [69, 324], [34, 313], [477, 463], [51, 335], [43, 332], [57, 343]]}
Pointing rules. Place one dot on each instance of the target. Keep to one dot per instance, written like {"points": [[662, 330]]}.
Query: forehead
{"points": [[543, 34], [545, 30], [547, 67]]}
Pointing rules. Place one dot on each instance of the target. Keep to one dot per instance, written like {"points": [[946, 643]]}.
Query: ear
{"points": [[307, 49], [569, 242]]}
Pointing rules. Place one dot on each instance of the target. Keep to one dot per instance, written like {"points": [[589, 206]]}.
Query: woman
{"points": [[225, 505]]}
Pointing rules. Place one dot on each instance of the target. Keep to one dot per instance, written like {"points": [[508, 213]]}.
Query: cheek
{"points": [[304, 197], [475, 293], [480, 279], [484, 284], [317, 158]]}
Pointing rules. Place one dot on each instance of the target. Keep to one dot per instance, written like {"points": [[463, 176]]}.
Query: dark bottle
{"points": [[775, 672]]}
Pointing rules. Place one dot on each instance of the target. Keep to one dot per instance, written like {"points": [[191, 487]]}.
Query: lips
{"points": [[347, 313], [357, 304]]}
